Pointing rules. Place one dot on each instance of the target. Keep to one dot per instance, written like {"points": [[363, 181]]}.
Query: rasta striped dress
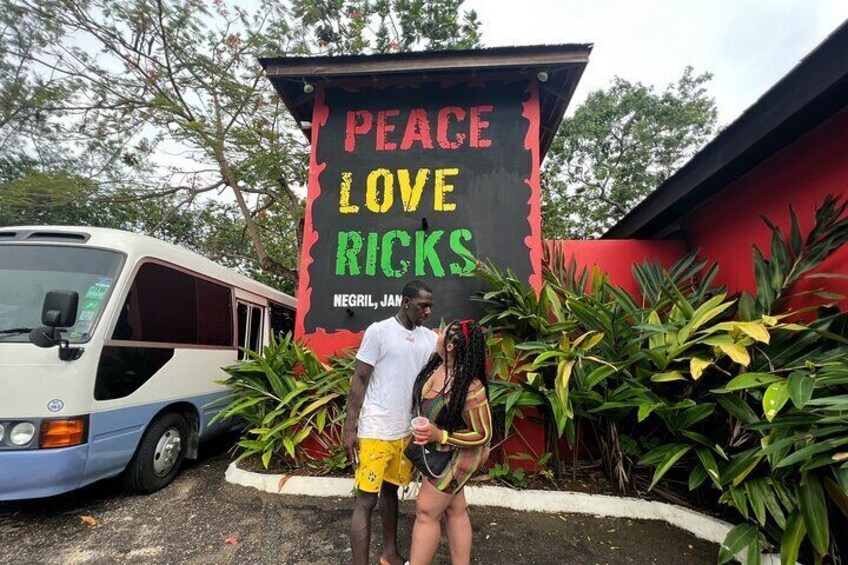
{"points": [[471, 445]]}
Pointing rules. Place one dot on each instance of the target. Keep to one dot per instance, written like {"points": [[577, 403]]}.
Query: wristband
{"points": [[444, 437]]}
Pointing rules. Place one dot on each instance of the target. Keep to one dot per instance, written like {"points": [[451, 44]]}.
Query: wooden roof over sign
{"points": [[559, 65]]}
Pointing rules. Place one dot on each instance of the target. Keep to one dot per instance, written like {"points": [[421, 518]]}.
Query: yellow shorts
{"points": [[381, 460]]}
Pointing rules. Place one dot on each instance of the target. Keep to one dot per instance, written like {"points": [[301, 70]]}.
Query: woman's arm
{"points": [[478, 416]]}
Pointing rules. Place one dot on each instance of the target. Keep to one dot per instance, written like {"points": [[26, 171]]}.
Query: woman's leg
{"points": [[459, 529], [427, 530]]}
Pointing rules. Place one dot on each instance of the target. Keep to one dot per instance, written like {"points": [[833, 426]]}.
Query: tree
{"points": [[167, 96], [619, 145]]}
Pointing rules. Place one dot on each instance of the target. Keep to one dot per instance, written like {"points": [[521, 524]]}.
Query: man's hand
{"points": [[351, 444]]}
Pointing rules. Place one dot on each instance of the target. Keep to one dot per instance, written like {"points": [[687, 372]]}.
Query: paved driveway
{"points": [[197, 519]]}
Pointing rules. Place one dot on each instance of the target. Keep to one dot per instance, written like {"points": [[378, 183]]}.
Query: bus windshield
{"points": [[29, 272]]}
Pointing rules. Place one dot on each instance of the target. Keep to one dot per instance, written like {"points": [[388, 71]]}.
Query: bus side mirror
{"points": [[58, 311]]}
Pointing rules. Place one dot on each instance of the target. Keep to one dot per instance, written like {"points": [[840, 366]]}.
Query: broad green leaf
{"points": [[693, 415], [813, 506], [301, 435], [598, 375], [697, 477], [703, 314], [738, 408], [793, 535], [738, 539], [809, 451], [266, 458], [756, 497], [776, 396], [670, 459], [773, 506], [801, 387], [751, 380], [737, 496], [645, 410], [540, 360], [709, 464], [289, 445]]}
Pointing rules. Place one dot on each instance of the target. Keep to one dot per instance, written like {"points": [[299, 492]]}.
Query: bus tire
{"points": [[159, 455]]}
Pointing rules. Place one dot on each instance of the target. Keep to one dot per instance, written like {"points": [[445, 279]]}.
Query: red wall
{"points": [[802, 174], [617, 256]]}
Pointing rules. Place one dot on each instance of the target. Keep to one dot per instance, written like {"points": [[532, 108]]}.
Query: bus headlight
{"points": [[22, 433], [2, 433]]}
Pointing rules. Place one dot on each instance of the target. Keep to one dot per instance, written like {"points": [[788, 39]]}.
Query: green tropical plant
{"points": [[284, 394], [738, 398]]}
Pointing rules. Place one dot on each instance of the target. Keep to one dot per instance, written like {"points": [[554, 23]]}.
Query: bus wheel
{"points": [[159, 455]]}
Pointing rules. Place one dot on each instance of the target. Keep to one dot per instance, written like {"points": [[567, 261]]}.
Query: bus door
{"points": [[250, 321]]}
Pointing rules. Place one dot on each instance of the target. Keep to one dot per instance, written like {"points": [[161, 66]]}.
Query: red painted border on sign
{"points": [[320, 114], [531, 143]]}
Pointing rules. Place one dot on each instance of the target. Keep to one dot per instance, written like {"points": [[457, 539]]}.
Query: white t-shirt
{"points": [[397, 355]]}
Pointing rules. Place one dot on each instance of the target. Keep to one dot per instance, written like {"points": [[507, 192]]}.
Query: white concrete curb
{"points": [[700, 525]]}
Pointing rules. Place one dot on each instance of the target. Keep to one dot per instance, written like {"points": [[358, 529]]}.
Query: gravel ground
{"points": [[201, 519]]}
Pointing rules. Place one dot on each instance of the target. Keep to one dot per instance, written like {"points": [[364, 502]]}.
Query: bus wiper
{"points": [[15, 331]]}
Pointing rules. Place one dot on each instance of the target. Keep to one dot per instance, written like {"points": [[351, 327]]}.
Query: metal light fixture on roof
{"points": [[542, 76], [308, 88]]}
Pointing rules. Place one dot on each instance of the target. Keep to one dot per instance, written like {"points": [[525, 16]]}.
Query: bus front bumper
{"points": [[36, 473]]}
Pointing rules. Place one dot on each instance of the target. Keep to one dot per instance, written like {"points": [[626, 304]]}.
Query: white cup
{"points": [[420, 422]]}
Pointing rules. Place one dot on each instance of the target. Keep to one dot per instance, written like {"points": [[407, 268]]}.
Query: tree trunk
{"points": [[267, 262]]}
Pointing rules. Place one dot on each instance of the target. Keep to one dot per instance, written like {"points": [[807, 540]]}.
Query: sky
{"points": [[748, 45]]}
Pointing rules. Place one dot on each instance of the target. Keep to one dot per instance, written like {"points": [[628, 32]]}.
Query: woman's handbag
{"points": [[432, 462]]}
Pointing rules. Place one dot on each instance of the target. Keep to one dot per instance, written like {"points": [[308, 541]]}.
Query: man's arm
{"points": [[358, 386]]}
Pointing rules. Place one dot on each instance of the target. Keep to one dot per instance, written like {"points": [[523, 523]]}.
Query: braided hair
{"points": [[469, 365]]}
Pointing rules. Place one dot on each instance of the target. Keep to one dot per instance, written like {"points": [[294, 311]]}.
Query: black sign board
{"points": [[416, 182]]}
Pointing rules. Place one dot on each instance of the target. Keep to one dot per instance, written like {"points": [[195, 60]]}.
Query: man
{"points": [[392, 353]]}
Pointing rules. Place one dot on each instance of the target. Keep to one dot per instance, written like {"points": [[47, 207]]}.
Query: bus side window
{"points": [[161, 307], [282, 319], [241, 320], [256, 326], [249, 319], [214, 311]]}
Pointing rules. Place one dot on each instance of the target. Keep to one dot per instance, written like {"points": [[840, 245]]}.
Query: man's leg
{"points": [[360, 526], [389, 516]]}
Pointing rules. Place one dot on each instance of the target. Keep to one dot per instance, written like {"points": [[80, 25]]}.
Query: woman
{"points": [[454, 392]]}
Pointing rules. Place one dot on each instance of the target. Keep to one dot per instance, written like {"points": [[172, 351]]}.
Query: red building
{"points": [[788, 148]]}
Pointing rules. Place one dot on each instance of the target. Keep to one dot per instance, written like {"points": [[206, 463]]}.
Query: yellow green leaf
{"points": [[656, 339], [668, 377], [561, 383], [755, 330], [697, 366], [736, 352]]}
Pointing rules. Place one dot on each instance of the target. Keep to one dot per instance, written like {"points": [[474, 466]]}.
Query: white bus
{"points": [[110, 346]]}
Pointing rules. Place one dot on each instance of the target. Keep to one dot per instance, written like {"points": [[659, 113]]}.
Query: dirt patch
{"points": [[204, 520]]}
